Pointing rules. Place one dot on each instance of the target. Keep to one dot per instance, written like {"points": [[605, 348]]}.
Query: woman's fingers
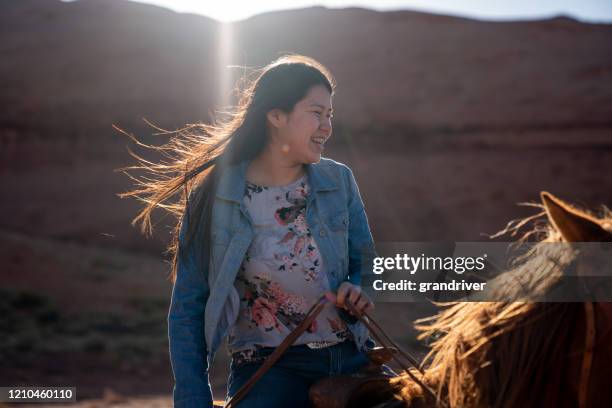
{"points": [[363, 303], [348, 292], [342, 293], [354, 294]]}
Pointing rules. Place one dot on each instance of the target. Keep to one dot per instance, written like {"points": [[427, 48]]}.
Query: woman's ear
{"points": [[277, 118]]}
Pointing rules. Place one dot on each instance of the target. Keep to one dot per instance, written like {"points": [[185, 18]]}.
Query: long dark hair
{"points": [[185, 183]]}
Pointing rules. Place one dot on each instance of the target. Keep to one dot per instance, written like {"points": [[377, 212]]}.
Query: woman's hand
{"points": [[351, 293]]}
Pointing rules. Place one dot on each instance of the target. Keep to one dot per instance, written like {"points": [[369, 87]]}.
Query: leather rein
{"points": [[379, 334], [383, 339]]}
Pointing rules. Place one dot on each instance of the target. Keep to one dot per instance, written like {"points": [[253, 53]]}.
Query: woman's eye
{"points": [[317, 113]]}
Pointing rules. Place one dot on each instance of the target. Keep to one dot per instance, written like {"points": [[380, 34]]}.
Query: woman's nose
{"points": [[326, 127]]}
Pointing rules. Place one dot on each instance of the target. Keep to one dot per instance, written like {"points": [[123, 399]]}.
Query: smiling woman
{"points": [[300, 136], [266, 228]]}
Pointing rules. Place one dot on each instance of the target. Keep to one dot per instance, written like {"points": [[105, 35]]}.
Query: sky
{"points": [[583, 10]]}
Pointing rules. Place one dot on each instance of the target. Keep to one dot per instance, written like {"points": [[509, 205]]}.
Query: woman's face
{"points": [[308, 126]]}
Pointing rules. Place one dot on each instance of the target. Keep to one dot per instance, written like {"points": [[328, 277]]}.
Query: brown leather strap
{"points": [[278, 352], [377, 331], [382, 338], [587, 358]]}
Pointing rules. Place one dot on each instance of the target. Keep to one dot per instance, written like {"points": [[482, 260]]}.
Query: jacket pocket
{"points": [[338, 227], [339, 222]]}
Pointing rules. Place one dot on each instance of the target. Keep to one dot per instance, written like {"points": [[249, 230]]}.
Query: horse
{"points": [[521, 353]]}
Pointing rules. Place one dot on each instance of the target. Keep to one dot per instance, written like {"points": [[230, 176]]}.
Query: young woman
{"points": [[266, 227]]}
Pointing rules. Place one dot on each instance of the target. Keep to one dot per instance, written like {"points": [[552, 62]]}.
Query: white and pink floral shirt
{"points": [[282, 274]]}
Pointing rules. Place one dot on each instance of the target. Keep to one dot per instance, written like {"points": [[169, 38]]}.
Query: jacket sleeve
{"points": [[188, 353], [360, 242]]}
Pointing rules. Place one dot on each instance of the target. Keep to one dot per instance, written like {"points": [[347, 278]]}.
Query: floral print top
{"points": [[282, 275]]}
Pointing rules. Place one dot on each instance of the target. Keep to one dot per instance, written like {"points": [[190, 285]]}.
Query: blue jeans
{"points": [[286, 384]]}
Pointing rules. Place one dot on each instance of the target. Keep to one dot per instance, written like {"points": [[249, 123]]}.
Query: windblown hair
{"points": [[185, 182], [506, 353]]}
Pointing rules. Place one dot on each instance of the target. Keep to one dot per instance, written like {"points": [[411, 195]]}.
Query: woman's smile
{"points": [[319, 143]]}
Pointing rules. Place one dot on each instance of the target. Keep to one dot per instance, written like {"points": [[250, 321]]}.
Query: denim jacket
{"points": [[205, 303]]}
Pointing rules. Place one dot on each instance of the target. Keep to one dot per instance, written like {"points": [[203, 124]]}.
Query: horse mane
{"points": [[505, 353]]}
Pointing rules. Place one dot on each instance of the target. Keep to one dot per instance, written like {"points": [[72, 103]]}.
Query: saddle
{"points": [[365, 388]]}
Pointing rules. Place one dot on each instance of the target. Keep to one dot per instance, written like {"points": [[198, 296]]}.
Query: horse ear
{"points": [[572, 224]]}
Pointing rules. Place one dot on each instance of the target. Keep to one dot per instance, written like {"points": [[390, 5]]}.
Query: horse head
{"points": [[509, 353]]}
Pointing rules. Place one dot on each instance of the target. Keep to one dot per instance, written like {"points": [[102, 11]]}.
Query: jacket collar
{"points": [[232, 181]]}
